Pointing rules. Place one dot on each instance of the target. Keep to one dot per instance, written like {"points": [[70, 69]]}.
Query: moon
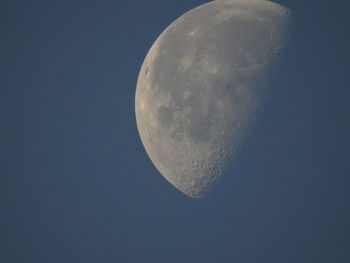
{"points": [[202, 85]]}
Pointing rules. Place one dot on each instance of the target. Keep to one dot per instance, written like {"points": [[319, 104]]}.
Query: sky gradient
{"points": [[77, 186]]}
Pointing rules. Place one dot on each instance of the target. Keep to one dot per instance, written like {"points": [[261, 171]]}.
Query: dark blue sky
{"points": [[77, 186]]}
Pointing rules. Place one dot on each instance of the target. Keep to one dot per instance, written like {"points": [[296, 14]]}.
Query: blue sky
{"points": [[77, 186]]}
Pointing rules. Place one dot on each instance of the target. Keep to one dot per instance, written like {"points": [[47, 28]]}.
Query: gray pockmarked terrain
{"points": [[202, 86]]}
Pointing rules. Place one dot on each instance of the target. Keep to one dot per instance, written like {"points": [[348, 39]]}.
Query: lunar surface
{"points": [[202, 86]]}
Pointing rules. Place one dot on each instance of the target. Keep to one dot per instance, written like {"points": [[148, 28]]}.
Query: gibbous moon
{"points": [[202, 85]]}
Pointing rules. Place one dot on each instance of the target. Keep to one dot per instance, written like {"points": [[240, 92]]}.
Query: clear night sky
{"points": [[76, 185]]}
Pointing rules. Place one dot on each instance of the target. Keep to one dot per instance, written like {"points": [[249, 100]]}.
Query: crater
{"points": [[146, 70]]}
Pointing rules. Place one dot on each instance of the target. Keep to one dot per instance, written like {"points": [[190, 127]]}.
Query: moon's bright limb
{"points": [[201, 86]]}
